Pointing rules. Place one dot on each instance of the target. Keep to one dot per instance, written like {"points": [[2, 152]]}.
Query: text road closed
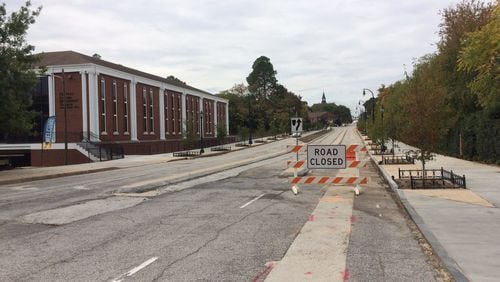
{"points": [[326, 156]]}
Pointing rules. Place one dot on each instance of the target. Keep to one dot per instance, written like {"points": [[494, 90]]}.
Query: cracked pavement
{"points": [[196, 233]]}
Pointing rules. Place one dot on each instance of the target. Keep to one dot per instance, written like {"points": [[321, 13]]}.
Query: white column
{"points": [[52, 101], [183, 112], [215, 118], [133, 111], [161, 108], [52, 96], [94, 107], [84, 103], [227, 117]]}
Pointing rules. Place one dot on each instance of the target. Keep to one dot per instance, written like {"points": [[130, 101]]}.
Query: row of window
{"points": [[172, 111], [114, 98]]}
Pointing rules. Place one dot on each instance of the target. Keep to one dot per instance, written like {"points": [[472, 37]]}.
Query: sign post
{"points": [[296, 129]]}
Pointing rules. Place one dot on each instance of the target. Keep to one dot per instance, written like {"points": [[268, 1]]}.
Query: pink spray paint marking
{"points": [[345, 275], [311, 217], [353, 218], [308, 273], [262, 276]]}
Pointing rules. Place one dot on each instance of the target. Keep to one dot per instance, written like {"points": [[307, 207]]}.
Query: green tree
{"points": [[221, 133], [189, 135], [262, 80], [467, 16], [238, 107], [481, 55], [17, 77], [424, 106]]}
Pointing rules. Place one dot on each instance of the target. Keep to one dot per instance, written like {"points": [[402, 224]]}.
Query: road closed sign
{"points": [[326, 156]]}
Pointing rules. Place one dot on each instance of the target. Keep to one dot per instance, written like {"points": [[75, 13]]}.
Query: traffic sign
{"points": [[296, 124], [326, 156]]}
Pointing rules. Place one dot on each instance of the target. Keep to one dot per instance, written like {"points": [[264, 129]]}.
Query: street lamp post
{"points": [[202, 150], [365, 117], [250, 121], [373, 103], [383, 132]]}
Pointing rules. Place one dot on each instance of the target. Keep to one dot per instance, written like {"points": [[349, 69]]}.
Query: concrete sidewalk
{"points": [[462, 225]]}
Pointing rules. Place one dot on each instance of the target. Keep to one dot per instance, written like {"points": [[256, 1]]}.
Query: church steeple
{"points": [[323, 99]]}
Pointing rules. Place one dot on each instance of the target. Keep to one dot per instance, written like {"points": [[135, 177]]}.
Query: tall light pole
{"points": [[373, 103], [382, 149], [250, 121], [365, 117]]}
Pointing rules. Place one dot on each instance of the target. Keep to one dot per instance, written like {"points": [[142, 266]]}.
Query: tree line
{"points": [[264, 106], [450, 103]]}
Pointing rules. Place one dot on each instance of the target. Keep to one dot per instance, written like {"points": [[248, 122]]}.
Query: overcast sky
{"points": [[339, 47]]}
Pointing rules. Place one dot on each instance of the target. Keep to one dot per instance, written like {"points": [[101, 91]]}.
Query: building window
{"points": [[144, 111], [173, 113], [103, 106], [197, 114], [125, 108], [179, 114], [165, 99], [115, 107], [151, 112]]}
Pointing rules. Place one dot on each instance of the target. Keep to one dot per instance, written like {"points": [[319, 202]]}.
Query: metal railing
{"points": [[186, 154], [221, 148], [388, 160], [432, 178], [100, 151]]}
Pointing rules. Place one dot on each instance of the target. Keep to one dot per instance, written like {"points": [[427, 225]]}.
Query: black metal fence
{"points": [[221, 148], [388, 160], [186, 154], [432, 178]]}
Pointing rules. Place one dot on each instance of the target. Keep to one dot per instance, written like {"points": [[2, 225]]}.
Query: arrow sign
{"points": [[296, 124]]}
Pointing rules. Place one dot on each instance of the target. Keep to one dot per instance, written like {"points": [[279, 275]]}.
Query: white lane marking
{"points": [[255, 199], [135, 269], [80, 187]]}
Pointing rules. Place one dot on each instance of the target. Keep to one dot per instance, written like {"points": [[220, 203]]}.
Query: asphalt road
{"points": [[222, 226]]}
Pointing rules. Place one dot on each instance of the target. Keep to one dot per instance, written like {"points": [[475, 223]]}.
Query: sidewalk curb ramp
{"points": [[447, 261]]}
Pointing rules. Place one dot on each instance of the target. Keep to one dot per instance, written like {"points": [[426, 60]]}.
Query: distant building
{"points": [[323, 99], [110, 104]]}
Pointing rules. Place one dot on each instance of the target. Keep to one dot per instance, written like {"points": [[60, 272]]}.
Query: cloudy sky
{"points": [[335, 46]]}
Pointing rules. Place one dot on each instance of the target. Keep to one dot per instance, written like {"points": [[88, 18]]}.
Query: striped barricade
{"points": [[296, 148], [329, 180], [303, 148], [350, 164]]}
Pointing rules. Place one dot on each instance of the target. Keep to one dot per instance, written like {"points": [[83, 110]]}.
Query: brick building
{"points": [[110, 104]]}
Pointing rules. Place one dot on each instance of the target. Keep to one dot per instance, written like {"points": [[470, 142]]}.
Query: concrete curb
{"points": [[57, 175], [447, 261]]}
